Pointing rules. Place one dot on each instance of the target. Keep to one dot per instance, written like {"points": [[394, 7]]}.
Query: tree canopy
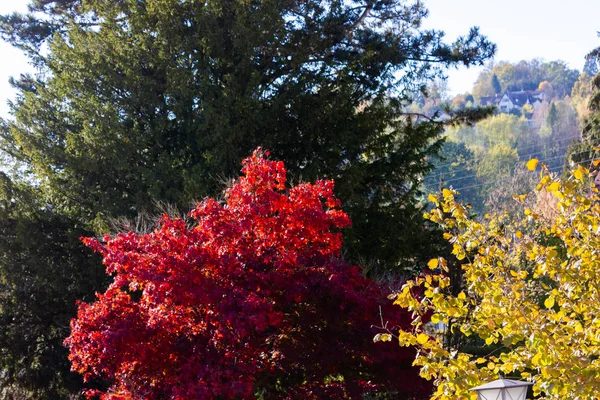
{"points": [[525, 75], [528, 296], [159, 100], [456, 168], [251, 300], [44, 270]]}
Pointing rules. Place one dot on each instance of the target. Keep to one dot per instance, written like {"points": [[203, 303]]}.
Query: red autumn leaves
{"points": [[251, 301]]}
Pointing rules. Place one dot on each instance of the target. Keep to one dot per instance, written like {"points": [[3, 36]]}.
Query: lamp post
{"points": [[503, 389]]}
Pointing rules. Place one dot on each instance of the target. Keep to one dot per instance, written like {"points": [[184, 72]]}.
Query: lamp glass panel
{"points": [[490, 394], [516, 393]]}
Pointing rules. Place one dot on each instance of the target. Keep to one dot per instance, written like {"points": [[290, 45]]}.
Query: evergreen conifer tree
{"points": [[160, 100], [138, 101], [496, 84]]}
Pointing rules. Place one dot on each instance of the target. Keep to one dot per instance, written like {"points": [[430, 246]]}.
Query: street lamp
{"points": [[503, 389]]}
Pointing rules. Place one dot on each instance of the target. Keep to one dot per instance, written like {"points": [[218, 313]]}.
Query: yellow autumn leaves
{"points": [[529, 303], [532, 164]]}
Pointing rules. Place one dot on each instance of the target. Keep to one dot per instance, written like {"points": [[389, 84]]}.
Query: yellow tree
{"points": [[529, 297]]}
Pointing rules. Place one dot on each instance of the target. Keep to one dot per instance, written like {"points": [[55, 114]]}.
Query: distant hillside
{"points": [[540, 109]]}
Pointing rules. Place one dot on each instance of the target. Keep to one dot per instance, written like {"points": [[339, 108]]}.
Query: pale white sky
{"points": [[522, 29], [12, 61]]}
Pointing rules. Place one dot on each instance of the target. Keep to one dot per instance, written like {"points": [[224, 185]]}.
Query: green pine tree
{"points": [[159, 100], [496, 84], [44, 270]]}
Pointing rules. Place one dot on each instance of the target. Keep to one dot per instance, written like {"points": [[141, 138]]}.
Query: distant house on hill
{"points": [[514, 101]]}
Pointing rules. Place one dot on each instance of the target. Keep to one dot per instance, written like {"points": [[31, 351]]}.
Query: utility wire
{"points": [[521, 148], [500, 164], [522, 158], [509, 178]]}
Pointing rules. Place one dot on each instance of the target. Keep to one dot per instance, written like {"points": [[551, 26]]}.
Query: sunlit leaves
{"points": [[158, 100], [579, 173], [252, 298], [532, 164], [433, 263], [530, 294], [422, 338]]}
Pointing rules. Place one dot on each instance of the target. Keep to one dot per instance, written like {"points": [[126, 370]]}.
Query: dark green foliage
{"points": [[138, 101], [456, 168], [496, 84], [591, 66], [592, 62], [552, 118], [161, 99], [44, 269], [29, 32]]}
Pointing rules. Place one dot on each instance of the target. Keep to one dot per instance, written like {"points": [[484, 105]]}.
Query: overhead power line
{"points": [[522, 158], [553, 169], [521, 148]]}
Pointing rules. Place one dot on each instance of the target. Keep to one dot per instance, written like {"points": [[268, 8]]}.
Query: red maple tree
{"points": [[252, 301]]}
